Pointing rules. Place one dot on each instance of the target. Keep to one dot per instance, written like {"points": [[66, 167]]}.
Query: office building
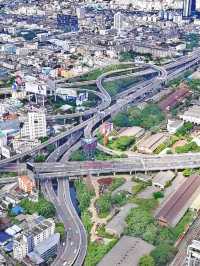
{"points": [[34, 126], [20, 247], [26, 184], [118, 21], [43, 231], [197, 5], [45, 249], [193, 253], [28, 241], [187, 8], [3, 139]]}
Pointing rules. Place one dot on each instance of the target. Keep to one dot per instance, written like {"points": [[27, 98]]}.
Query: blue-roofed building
{"points": [[9, 246], [4, 237], [16, 210]]}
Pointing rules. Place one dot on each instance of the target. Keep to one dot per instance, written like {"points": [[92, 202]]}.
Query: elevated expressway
{"points": [[130, 165], [106, 101], [59, 170], [75, 248], [178, 67]]}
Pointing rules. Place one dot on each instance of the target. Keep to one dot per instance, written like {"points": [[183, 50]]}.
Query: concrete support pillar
{"points": [[57, 144]]}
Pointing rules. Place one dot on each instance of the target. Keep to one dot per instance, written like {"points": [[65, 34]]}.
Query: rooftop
{"points": [[117, 224], [176, 205], [126, 252]]}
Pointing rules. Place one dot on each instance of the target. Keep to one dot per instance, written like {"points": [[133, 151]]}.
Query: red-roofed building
{"points": [[174, 98], [178, 203]]}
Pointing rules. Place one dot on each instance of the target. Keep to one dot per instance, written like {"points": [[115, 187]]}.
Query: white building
{"points": [[174, 125], [26, 242], [20, 247], [3, 139], [118, 21], [35, 125], [193, 253], [192, 115], [43, 231]]}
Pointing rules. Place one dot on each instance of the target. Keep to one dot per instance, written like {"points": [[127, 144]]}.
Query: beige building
{"points": [[192, 115], [35, 125], [149, 144]]}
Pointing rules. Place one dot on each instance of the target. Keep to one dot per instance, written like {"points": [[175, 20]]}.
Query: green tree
{"points": [[121, 120], [158, 195], [59, 228], [103, 204], [150, 233], [137, 222], [146, 260], [119, 198], [163, 253], [187, 172], [123, 143], [40, 158], [84, 195], [77, 156], [117, 182]]}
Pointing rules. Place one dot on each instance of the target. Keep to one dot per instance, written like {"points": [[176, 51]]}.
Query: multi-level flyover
{"points": [[182, 64], [59, 170], [139, 163]]}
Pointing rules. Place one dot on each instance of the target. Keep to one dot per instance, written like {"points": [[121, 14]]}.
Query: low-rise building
{"points": [[179, 202], [136, 132], [150, 144], [174, 98], [24, 144], [117, 224], [192, 115], [162, 178], [195, 206], [126, 252], [173, 125]]}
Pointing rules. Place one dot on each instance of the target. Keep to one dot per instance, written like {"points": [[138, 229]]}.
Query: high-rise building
{"points": [[197, 6], [193, 253], [118, 20], [187, 8], [34, 126]]}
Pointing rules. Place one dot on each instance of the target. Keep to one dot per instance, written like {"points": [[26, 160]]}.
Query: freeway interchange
{"points": [[57, 166]]}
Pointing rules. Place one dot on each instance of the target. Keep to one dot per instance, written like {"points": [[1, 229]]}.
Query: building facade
{"points": [[35, 125]]}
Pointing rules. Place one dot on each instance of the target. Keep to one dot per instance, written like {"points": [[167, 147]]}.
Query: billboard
{"points": [[5, 151], [36, 88], [66, 92]]}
